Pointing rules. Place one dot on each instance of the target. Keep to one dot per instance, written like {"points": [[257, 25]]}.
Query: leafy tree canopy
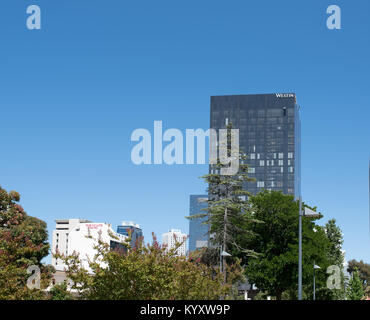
{"points": [[23, 242], [355, 288], [275, 270], [362, 268], [144, 273]]}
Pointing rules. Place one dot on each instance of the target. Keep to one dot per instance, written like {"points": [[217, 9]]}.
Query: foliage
{"points": [[60, 292], [228, 211], [335, 237], [261, 296], [355, 289], [335, 257], [276, 269], [148, 272], [363, 270], [209, 256], [23, 242]]}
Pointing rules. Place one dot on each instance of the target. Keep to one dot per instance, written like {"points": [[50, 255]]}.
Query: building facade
{"points": [[198, 232], [269, 134], [172, 238], [80, 236], [128, 228], [60, 238]]}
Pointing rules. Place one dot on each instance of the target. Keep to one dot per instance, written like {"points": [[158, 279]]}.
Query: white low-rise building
{"points": [[80, 236], [172, 238]]}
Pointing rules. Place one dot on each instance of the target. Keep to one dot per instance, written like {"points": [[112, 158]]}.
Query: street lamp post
{"points": [[224, 254], [314, 287], [310, 214], [300, 251], [221, 259]]}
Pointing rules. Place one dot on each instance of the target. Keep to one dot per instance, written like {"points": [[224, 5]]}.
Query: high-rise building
{"points": [[173, 238], [269, 134], [80, 236], [128, 228], [198, 232]]}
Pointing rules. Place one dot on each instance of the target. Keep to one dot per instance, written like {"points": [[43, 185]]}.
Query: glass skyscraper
{"points": [[269, 134], [198, 232], [128, 228]]}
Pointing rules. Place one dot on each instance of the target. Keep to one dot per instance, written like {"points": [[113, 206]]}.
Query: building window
{"points": [[281, 155], [262, 163], [281, 162], [290, 169], [251, 170], [253, 156], [260, 184], [290, 155]]}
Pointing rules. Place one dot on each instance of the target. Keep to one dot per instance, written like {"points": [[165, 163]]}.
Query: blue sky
{"points": [[72, 93]]}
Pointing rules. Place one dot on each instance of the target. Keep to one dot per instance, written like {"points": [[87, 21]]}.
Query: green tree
{"points": [[275, 270], [23, 242], [335, 236], [60, 292], [335, 257], [362, 268], [148, 272], [228, 211], [355, 289]]}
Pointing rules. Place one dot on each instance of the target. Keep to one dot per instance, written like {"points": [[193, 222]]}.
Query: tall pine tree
{"points": [[229, 211]]}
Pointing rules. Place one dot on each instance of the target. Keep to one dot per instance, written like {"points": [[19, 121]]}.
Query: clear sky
{"points": [[72, 93]]}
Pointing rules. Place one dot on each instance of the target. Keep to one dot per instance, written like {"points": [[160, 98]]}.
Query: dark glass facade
{"points": [[136, 233], [116, 246], [269, 134], [198, 232]]}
